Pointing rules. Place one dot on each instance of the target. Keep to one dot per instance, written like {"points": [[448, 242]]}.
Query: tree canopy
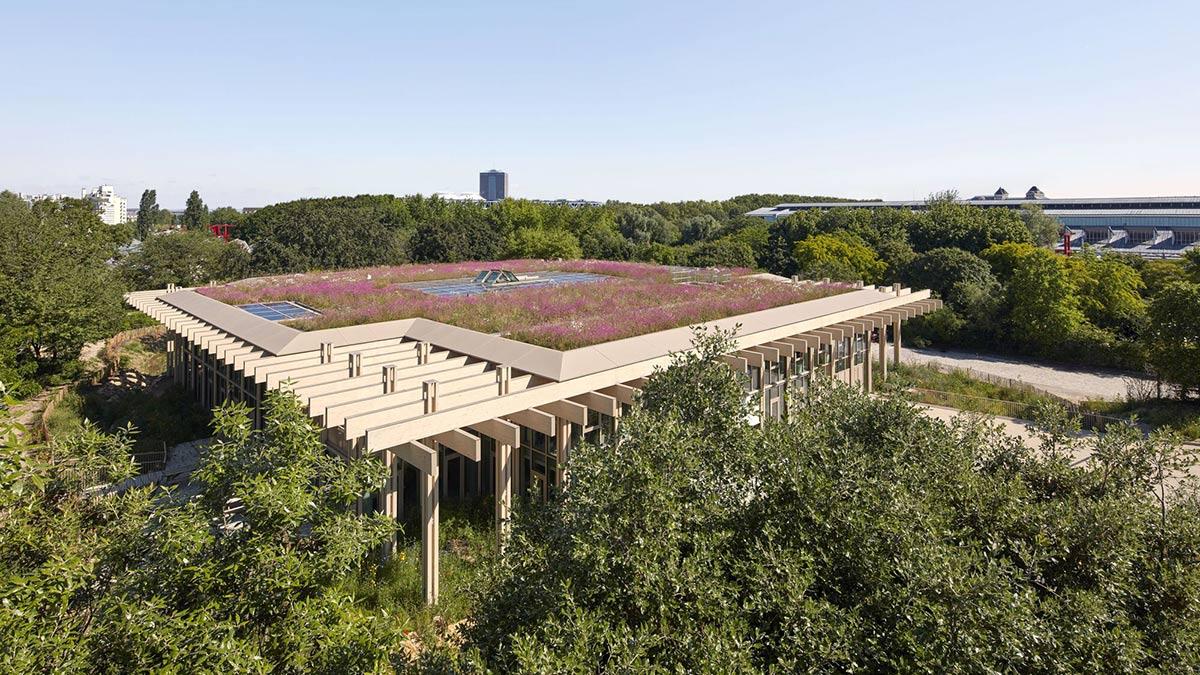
{"points": [[56, 290], [195, 213], [857, 536]]}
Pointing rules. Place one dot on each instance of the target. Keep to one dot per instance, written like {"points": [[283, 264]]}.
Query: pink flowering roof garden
{"points": [[637, 298]]}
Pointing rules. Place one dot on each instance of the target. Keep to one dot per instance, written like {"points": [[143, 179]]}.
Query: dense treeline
{"points": [[859, 535], [382, 229], [1004, 287]]}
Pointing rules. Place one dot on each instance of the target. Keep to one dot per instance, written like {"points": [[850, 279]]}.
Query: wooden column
{"points": [[896, 341], [868, 385], [562, 437], [389, 498], [506, 437], [882, 351], [504, 484], [429, 534]]}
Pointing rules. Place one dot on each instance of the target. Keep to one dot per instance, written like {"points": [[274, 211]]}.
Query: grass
{"points": [[1181, 416], [632, 299], [467, 541], [956, 389], [163, 415]]}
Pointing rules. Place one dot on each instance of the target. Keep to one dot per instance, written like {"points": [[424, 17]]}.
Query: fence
{"points": [[697, 275], [110, 356], [42, 431], [1015, 409]]}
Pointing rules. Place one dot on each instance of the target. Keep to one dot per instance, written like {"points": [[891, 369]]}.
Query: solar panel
{"points": [[485, 282], [279, 311]]}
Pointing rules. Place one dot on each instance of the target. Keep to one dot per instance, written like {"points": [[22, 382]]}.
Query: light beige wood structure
{"points": [[430, 396]]}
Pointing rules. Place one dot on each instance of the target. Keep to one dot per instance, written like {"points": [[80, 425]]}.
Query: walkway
{"points": [[1073, 384]]}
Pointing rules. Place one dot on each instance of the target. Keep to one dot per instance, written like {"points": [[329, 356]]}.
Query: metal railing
{"points": [[699, 275], [1015, 409]]}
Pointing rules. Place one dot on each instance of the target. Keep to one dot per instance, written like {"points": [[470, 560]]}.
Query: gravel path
{"points": [[1069, 383]]}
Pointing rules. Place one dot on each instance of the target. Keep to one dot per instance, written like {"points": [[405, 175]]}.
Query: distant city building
{"points": [[46, 197], [458, 196], [250, 209], [111, 208], [573, 203], [493, 185], [1152, 227]]}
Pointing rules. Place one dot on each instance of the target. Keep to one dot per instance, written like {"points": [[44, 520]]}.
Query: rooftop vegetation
{"points": [[635, 299]]}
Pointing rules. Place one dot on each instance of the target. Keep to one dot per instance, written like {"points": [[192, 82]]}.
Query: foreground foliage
{"points": [[240, 577], [858, 537]]}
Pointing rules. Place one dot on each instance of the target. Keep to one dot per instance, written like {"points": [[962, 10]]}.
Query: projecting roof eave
{"points": [[617, 353], [544, 362], [267, 335]]}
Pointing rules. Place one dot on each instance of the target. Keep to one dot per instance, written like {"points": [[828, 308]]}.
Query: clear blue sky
{"points": [[253, 103]]}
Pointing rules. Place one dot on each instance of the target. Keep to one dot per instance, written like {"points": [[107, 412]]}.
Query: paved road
{"points": [[1069, 383]]}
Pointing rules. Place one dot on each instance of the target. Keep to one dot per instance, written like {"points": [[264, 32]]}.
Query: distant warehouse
{"points": [[1152, 227]]}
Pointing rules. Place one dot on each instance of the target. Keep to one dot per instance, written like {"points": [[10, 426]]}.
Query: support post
{"points": [[882, 351], [868, 385], [389, 498], [896, 341], [562, 439], [429, 535], [503, 470]]}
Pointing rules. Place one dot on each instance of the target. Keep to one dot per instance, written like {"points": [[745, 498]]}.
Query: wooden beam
{"points": [[568, 410], [601, 403], [461, 442], [533, 419], [622, 393], [752, 358], [418, 454], [737, 363], [504, 433]]}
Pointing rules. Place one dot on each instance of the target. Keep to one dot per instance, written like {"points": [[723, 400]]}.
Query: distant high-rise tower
{"points": [[493, 185]]}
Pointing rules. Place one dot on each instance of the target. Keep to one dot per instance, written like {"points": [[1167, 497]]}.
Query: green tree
{"points": [[545, 244], [642, 227], [455, 237], [951, 273], [1110, 292], [602, 241], [1173, 336], [842, 256], [699, 228], [1045, 302], [195, 214], [723, 252], [1158, 274], [226, 215], [241, 577], [190, 258], [147, 214], [857, 535], [1004, 258], [57, 291], [1044, 230], [1191, 264]]}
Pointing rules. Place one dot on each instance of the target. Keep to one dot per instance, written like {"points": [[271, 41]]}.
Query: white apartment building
{"points": [[111, 208]]}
